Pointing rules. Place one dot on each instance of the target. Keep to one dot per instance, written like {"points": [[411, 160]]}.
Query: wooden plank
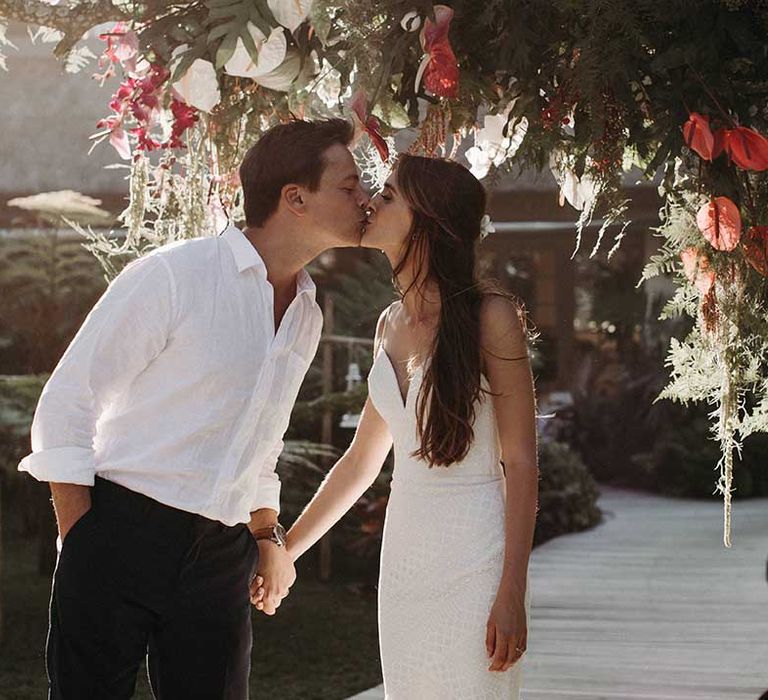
{"points": [[649, 605]]}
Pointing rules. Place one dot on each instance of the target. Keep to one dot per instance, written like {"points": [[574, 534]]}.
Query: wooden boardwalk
{"points": [[649, 605]]}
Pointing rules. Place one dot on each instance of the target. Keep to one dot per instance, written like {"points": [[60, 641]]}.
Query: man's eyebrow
{"points": [[351, 176]]}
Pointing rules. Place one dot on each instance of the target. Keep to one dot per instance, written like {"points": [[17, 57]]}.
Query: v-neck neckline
{"points": [[403, 397]]}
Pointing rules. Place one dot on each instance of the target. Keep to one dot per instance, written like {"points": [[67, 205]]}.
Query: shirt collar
{"points": [[246, 256], [243, 251]]}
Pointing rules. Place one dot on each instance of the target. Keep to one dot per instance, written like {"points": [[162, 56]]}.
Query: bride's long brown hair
{"points": [[448, 203]]}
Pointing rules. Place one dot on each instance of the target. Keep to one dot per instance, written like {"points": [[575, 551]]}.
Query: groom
{"points": [[160, 428]]}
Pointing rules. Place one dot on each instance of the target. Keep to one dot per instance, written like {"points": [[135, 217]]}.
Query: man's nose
{"points": [[362, 198]]}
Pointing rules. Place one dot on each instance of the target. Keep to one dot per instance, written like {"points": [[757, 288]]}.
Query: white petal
{"points": [[411, 21], [281, 78], [290, 13], [199, 86], [493, 127], [577, 191], [479, 161], [272, 52], [241, 63]]}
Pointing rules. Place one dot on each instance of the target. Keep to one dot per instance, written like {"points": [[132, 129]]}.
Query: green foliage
{"points": [[682, 459], [48, 282], [567, 493], [18, 398]]}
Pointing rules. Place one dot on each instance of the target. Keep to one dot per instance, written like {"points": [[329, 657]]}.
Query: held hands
{"points": [[506, 635], [274, 578]]}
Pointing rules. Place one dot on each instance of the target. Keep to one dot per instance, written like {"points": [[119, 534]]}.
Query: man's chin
{"points": [[352, 240]]}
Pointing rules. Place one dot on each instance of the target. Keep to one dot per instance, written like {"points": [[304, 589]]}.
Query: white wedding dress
{"points": [[441, 559]]}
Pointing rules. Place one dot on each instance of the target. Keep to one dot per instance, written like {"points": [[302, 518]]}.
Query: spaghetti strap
{"points": [[383, 329]]}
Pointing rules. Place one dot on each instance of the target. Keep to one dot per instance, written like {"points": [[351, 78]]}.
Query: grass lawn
{"points": [[322, 644]]}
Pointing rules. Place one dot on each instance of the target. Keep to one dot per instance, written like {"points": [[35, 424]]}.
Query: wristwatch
{"points": [[273, 533]]}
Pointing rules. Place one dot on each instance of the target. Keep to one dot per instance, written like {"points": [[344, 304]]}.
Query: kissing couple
{"points": [[160, 428]]}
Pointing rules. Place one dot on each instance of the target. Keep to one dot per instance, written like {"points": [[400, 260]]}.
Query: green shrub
{"points": [[18, 398], [567, 493], [682, 459]]}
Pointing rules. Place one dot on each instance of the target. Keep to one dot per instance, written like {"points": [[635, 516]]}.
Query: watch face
{"points": [[279, 532]]}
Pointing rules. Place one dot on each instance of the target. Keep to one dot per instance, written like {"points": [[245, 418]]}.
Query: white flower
{"points": [[579, 192], [282, 77], [271, 54], [290, 13], [486, 227], [479, 160], [199, 86], [411, 21], [491, 146], [328, 86]]}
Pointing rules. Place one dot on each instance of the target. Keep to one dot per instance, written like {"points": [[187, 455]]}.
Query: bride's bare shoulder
{"points": [[381, 323], [502, 323]]}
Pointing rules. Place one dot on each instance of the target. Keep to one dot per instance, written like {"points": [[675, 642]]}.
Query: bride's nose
{"points": [[370, 210]]}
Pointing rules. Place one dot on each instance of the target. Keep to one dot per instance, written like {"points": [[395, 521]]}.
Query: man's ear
{"points": [[293, 196]]}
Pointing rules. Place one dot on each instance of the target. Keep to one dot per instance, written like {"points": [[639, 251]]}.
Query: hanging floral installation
{"points": [[585, 90]]}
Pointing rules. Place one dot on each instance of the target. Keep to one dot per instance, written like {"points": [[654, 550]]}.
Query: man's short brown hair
{"points": [[287, 153]]}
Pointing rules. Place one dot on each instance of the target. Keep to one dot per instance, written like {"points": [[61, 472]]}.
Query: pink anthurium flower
{"points": [[746, 148], [697, 270], [698, 135], [720, 223], [369, 124]]}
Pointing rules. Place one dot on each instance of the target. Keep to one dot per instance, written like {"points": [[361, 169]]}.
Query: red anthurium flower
{"points": [[697, 270], [719, 143], [439, 67], [755, 246], [698, 135], [720, 223], [746, 148], [369, 124]]}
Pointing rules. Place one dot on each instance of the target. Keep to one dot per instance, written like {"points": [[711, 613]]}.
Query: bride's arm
{"points": [[347, 481], [504, 347]]}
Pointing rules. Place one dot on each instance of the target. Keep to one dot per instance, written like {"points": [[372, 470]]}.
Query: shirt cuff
{"points": [[65, 465], [268, 495]]}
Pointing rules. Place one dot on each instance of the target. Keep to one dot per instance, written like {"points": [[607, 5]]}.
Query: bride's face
{"points": [[389, 220]]}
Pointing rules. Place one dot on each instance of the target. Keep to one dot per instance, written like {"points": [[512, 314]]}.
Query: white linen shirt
{"points": [[177, 386]]}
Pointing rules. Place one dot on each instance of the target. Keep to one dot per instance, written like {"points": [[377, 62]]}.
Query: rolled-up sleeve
{"points": [[268, 489], [126, 329]]}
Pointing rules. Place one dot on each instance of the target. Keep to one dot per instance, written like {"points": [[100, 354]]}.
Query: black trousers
{"points": [[136, 577]]}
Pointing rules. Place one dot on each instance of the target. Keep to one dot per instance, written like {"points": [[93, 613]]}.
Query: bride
{"points": [[451, 387]]}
